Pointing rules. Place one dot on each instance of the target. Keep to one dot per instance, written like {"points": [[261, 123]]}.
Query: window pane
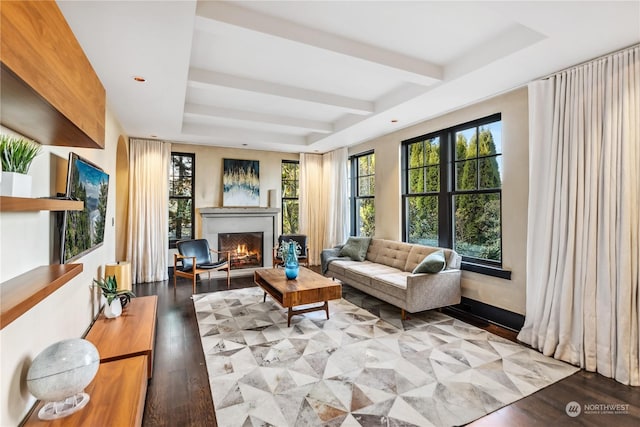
{"points": [[181, 166], [433, 178], [181, 187], [366, 219], [467, 175], [364, 166], [290, 192], [466, 146], [416, 181], [432, 151], [180, 219], [422, 220], [290, 189], [363, 187], [416, 155], [492, 139], [477, 226], [290, 216], [490, 172]]}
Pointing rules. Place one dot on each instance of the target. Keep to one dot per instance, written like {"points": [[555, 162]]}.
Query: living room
{"points": [[70, 311]]}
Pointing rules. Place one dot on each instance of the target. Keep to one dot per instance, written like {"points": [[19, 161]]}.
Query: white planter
{"points": [[113, 310], [15, 184]]}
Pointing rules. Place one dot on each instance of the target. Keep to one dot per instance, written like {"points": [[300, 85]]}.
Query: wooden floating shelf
{"points": [[21, 293], [25, 204]]}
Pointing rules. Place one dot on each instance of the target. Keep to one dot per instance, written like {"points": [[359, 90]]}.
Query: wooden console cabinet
{"points": [[131, 334], [117, 396], [118, 392]]}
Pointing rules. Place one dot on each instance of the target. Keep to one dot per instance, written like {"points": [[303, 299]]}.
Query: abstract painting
{"points": [[241, 183]]}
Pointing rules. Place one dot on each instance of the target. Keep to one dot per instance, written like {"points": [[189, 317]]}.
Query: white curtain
{"points": [[312, 212], [148, 225], [583, 250], [335, 179]]}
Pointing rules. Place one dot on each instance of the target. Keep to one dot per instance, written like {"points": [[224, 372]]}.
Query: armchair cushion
{"points": [[198, 248]]}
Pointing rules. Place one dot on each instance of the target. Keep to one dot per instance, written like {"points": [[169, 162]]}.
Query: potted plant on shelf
{"points": [[16, 157], [115, 298]]}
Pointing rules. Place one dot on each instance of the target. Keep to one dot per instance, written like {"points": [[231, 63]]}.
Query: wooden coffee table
{"points": [[309, 287]]}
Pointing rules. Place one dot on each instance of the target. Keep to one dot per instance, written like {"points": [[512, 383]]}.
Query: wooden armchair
{"points": [[303, 257], [194, 258]]}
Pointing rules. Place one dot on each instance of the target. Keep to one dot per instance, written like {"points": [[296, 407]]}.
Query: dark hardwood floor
{"points": [[179, 393]]}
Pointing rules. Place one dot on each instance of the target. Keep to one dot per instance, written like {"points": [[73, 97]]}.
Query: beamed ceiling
{"points": [[311, 76]]}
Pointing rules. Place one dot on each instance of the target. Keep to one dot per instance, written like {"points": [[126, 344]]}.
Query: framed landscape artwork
{"points": [[241, 183]]}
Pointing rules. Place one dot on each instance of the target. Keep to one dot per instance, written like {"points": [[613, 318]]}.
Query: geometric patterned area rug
{"points": [[356, 369]]}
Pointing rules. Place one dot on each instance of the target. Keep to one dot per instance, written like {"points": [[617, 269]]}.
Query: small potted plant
{"points": [[116, 298], [16, 156]]}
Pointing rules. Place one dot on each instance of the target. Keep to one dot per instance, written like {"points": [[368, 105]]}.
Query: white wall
{"points": [[506, 294], [25, 244]]}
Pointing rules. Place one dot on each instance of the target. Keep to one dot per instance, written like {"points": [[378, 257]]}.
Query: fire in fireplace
{"points": [[245, 249]]}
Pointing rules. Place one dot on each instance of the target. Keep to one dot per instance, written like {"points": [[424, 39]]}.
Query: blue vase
{"points": [[291, 266]]}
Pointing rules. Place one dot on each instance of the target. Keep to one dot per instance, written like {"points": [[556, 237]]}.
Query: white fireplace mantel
{"points": [[242, 220]]}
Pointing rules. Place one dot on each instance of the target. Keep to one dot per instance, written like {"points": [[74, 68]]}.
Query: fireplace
{"points": [[229, 220], [245, 249]]}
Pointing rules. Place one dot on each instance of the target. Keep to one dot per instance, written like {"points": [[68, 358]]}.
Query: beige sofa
{"points": [[386, 273]]}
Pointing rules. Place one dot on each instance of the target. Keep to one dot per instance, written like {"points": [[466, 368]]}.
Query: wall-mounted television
{"points": [[83, 231]]}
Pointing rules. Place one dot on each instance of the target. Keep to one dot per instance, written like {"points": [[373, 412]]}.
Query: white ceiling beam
{"points": [[196, 110], [203, 78], [415, 70], [240, 135]]}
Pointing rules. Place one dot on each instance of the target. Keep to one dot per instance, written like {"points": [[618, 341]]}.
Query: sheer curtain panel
{"points": [[334, 169], [312, 215], [148, 229], [583, 250]]}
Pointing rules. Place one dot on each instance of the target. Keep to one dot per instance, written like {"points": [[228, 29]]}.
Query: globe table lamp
{"points": [[59, 374]]}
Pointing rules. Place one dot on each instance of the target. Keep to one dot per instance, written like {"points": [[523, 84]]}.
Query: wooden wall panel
{"points": [[39, 48]]}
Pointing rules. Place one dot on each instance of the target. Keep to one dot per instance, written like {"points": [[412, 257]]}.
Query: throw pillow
{"points": [[432, 263], [356, 248]]}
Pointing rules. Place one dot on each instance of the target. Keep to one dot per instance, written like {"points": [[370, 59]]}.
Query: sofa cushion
{"points": [[419, 252], [339, 266], [432, 263], [394, 284], [356, 248], [389, 252]]}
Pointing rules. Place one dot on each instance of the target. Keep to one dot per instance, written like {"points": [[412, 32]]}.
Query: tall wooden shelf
{"points": [[25, 204], [21, 293]]}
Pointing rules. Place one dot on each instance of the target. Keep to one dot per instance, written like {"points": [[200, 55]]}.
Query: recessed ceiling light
{"points": [[139, 79]]}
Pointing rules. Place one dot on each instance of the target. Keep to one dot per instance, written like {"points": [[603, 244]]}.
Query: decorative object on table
{"points": [[122, 272], [241, 183], [17, 154], [115, 298], [83, 231], [289, 251], [59, 375]]}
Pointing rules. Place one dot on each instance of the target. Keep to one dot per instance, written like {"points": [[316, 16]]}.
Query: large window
{"points": [[290, 194], [362, 193], [181, 206], [452, 190]]}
